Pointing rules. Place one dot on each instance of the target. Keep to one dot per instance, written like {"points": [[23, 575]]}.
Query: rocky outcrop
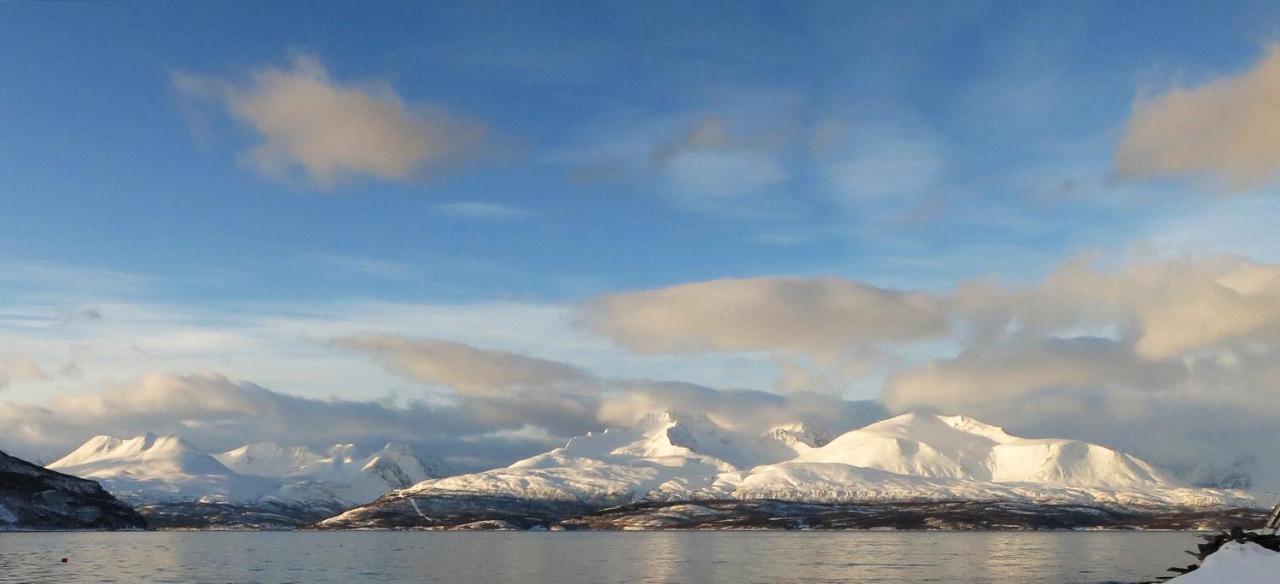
{"points": [[35, 498]]}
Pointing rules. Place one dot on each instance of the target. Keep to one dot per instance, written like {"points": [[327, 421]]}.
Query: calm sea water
{"points": [[707, 557]]}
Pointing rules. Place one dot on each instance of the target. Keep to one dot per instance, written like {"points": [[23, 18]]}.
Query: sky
{"points": [[485, 228]]}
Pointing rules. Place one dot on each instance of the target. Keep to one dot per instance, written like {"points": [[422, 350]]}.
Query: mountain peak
{"points": [[268, 459], [157, 467], [972, 426], [798, 434], [104, 447], [916, 423], [959, 447], [659, 420]]}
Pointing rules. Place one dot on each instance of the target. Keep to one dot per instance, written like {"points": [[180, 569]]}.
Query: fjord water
{"points": [[484, 557]]}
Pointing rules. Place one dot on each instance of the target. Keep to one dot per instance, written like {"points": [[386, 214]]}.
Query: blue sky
{"points": [[104, 171], [484, 171]]}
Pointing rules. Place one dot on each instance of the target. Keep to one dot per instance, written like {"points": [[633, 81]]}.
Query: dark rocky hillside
{"points": [[35, 498]]}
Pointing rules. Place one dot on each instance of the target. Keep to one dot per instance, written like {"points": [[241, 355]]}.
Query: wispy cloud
{"points": [[726, 158], [19, 369], [878, 162], [68, 280], [363, 266], [329, 130], [483, 210]]}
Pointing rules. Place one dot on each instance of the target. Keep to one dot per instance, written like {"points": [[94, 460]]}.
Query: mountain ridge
{"points": [[264, 483]]}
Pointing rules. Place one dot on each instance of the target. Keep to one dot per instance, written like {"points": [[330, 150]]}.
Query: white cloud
{"points": [[1167, 309], [331, 130], [821, 317], [1228, 128], [468, 369], [821, 334]]}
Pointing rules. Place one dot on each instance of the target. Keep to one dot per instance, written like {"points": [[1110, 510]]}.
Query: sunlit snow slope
{"points": [[165, 469], [151, 468]]}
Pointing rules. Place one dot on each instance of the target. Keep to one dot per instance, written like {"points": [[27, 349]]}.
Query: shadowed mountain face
{"points": [[34, 498]]}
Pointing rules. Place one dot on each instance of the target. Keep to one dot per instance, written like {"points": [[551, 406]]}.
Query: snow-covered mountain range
{"points": [[151, 470], [910, 458], [666, 458]]}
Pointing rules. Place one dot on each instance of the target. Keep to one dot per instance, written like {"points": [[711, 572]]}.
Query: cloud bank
{"points": [[331, 131], [524, 408], [216, 413], [1176, 360]]}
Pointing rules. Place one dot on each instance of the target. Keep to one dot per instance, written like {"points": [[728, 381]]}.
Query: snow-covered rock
{"points": [[1237, 563], [799, 437]]}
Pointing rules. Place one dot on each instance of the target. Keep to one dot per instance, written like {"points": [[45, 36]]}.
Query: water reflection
{"points": [[710, 557]]}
